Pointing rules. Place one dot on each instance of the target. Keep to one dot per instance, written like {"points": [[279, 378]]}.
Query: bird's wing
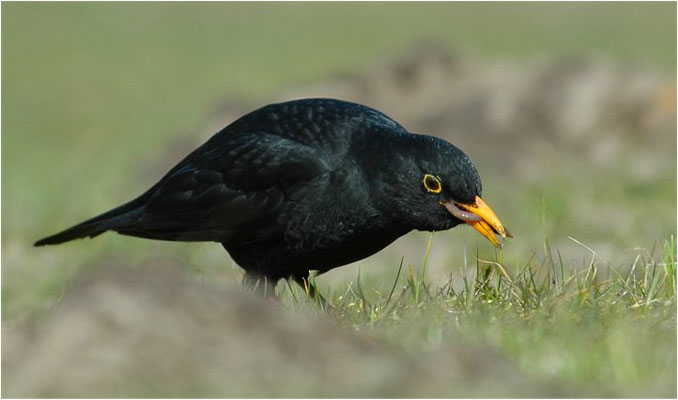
{"points": [[230, 190]]}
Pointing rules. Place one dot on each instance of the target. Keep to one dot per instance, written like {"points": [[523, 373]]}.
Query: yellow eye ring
{"points": [[432, 184]]}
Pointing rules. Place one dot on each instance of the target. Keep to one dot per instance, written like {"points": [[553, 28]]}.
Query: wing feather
{"points": [[226, 188]]}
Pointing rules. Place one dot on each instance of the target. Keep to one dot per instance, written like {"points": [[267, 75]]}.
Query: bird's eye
{"points": [[432, 184]]}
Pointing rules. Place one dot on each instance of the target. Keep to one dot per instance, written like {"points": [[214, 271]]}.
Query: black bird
{"points": [[305, 185]]}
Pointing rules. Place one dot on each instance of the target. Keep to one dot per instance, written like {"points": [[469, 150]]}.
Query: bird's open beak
{"points": [[481, 217]]}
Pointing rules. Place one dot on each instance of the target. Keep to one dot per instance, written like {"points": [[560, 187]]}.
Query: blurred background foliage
{"points": [[99, 100], [568, 110]]}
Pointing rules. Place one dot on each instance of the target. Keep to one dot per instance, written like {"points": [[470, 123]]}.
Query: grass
{"points": [[92, 92], [596, 329]]}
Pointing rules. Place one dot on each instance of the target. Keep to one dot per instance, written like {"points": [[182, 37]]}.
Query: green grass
{"points": [[595, 329], [94, 93]]}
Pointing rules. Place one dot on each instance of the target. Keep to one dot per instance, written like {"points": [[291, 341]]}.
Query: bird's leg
{"points": [[259, 284], [310, 289], [304, 282]]}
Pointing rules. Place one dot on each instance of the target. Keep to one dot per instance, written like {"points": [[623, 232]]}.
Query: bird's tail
{"points": [[112, 220]]}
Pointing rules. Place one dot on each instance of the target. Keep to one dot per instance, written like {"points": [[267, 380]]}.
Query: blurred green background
{"points": [[567, 109], [95, 94]]}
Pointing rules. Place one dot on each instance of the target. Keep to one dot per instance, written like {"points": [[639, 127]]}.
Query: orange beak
{"points": [[481, 217]]}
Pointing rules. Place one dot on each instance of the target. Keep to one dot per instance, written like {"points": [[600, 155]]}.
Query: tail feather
{"points": [[75, 232], [112, 220]]}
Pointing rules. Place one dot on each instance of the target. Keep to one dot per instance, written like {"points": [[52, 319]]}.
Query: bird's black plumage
{"points": [[297, 186]]}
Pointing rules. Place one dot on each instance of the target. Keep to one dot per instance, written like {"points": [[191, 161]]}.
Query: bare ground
{"points": [[154, 331]]}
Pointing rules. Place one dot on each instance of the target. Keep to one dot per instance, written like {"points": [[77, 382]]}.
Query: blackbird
{"points": [[305, 185]]}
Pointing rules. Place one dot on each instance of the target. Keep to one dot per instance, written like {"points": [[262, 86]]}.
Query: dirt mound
{"points": [[153, 331]]}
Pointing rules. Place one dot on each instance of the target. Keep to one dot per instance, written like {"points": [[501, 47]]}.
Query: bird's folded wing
{"points": [[222, 187]]}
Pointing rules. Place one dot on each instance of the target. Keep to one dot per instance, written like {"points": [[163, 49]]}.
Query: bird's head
{"points": [[435, 186]]}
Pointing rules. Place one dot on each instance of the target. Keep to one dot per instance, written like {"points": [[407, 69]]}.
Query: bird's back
{"points": [[320, 123], [245, 183]]}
